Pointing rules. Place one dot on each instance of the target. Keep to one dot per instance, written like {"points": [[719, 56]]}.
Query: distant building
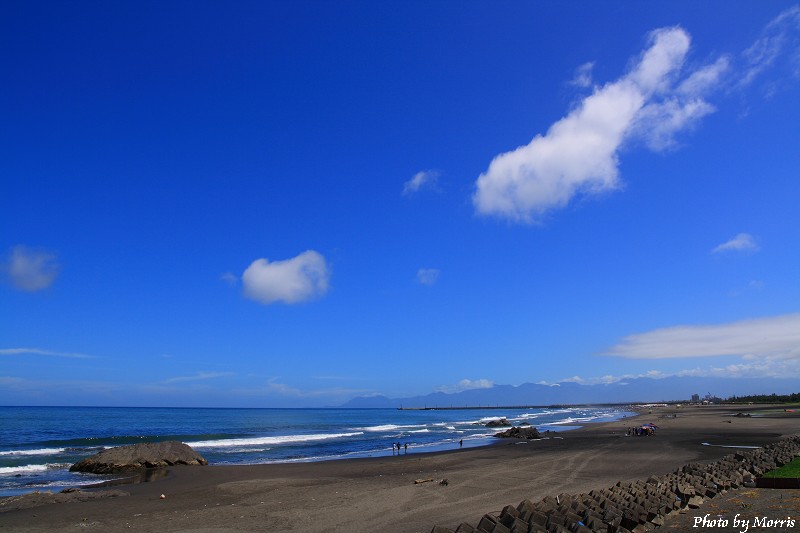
{"points": [[695, 398]]}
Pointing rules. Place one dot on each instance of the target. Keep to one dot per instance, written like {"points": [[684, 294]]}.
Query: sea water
{"points": [[39, 444]]}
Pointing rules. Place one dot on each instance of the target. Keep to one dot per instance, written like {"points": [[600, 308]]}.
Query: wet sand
{"points": [[379, 494]]}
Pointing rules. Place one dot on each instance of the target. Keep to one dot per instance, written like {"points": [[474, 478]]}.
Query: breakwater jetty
{"points": [[638, 506]]}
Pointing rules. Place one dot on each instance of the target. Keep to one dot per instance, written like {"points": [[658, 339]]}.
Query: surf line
{"points": [[730, 446]]}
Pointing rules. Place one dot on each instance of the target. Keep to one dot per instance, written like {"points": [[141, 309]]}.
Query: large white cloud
{"points": [[579, 153], [31, 270], [294, 280], [773, 338]]}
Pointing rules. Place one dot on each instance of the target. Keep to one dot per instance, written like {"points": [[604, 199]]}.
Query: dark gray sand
{"points": [[379, 494]]}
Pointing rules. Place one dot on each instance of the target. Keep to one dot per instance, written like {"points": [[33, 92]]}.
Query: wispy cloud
{"points": [[46, 353], [277, 388], [743, 242], [583, 75], [763, 338], [425, 179], [427, 276], [30, 269], [764, 368], [290, 281], [777, 40], [199, 376], [467, 384], [230, 278]]}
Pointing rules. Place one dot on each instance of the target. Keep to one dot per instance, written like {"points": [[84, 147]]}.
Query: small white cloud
{"points": [[583, 75], [31, 269], [230, 278], [427, 276], [281, 389], [47, 353], [467, 384], [291, 281], [743, 242], [425, 179], [199, 376], [764, 338]]}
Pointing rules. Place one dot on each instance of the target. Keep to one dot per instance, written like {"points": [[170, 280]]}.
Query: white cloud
{"points": [[659, 122], [743, 242], [47, 353], [778, 35], [467, 384], [578, 154], [706, 78], [230, 278], [282, 389], [294, 280], [199, 376], [657, 99], [31, 270], [424, 179], [763, 368], [770, 338], [583, 75], [427, 276]]}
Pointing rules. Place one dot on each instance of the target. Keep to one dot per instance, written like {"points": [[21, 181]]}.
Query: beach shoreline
{"points": [[379, 493]]}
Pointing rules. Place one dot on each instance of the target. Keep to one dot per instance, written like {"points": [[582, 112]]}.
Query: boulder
{"points": [[500, 422], [139, 456], [529, 432]]}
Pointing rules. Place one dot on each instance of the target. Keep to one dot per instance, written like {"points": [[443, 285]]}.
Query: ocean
{"points": [[39, 444]]}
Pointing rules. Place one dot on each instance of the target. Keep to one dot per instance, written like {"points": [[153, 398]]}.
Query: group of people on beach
{"points": [[645, 430], [396, 446]]}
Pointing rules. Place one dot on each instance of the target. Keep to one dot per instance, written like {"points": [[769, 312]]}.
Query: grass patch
{"points": [[788, 470]]}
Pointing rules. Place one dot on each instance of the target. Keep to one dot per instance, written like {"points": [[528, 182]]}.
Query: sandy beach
{"points": [[379, 494]]}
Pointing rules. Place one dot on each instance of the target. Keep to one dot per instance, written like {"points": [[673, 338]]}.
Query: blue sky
{"points": [[295, 203]]}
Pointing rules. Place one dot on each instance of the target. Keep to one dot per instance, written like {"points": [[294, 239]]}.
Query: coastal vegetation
{"points": [[773, 398], [789, 470]]}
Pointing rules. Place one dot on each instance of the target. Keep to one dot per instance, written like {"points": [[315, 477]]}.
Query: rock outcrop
{"points": [[528, 432], [498, 423], [139, 456]]}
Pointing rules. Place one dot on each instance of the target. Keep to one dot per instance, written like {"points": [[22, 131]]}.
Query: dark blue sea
{"points": [[39, 444]]}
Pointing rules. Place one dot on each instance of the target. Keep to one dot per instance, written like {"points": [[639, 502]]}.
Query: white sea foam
{"points": [[485, 419], [387, 427], [426, 430], [42, 451], [276, 440], [573, 420], [13, 470]]}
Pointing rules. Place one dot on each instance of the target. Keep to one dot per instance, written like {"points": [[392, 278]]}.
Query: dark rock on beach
{"points": [[529, 432], [139, 456], [501, 422]]}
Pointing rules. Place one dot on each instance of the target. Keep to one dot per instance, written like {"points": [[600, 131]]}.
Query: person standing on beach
{"points": [[461, 443], [405, 446]]}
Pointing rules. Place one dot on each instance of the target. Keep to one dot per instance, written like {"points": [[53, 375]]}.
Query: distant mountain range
{"points": [[640, 390]]}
